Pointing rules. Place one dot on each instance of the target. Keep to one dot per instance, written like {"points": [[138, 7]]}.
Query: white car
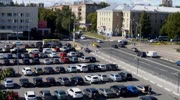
{"points": [[34, 51], [30, 95], [92, 78], [83, 37], [71, 54], [53, 55], [63, 48], [153, 41], [99, 41], [18, 43], [47, 61], [82, 67], [75, 93], [102, 67], [1, 55], [47, 50], [103, 77], [152, 54], [27, 71], [71, 69], [116, 77], [8, 83]]}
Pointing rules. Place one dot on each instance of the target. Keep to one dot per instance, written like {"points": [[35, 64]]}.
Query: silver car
{"points": [[115, 77], [8, 83]]}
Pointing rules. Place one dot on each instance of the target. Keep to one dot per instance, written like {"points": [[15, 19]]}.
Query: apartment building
{"points": [[80, 10], [6, 1], [18, 19], [167, 3], [130, 15]]}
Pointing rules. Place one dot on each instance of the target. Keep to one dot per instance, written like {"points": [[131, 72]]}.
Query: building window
{"points": [[117, 14], [9, 20], [9, 14], [2, 14], [8, 27], [14, 14]]}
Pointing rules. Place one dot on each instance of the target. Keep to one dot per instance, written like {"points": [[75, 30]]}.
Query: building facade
{"points": [[130, 16], [168, 3], [6, 1], [18, 19]]}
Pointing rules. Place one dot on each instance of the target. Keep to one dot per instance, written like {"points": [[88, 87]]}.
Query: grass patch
{"points": [[95, 35]]}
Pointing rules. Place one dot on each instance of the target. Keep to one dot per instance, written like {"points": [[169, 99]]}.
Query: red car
{"points": [[57, 49], [13, 96], [65, 60], [63, 54]]}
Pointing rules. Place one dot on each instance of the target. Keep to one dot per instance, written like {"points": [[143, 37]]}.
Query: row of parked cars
{"points": [[114, 91]]}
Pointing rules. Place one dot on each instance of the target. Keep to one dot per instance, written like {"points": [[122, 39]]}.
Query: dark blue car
{"points": [[133, 91], [178, 63]]}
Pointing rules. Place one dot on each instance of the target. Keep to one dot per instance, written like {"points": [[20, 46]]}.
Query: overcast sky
{"points": [[52, 2]]}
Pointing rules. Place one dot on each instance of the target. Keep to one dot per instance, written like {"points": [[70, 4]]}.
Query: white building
{"points": [[6, 1], [18, 19]]}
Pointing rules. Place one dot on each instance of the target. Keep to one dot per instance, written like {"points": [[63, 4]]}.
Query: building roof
{"points": [[125, 7]]}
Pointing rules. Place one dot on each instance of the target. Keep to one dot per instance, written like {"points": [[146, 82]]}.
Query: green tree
{"points": [[144, 28], [92, 18], [104, 4], [171, 28]]}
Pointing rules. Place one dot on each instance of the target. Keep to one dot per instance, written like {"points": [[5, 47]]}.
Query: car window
{"points": [[31, 95], [9, 81], [47, 94]]}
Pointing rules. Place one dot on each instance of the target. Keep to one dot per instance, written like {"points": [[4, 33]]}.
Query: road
{"points": [[164, 69]]}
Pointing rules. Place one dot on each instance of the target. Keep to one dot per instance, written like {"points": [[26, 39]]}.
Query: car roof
{"points": [[9, 79], [92, 89], [75, 89], [60, 90], [27, 68], [45, 91], [50, 78], [30, 92]]}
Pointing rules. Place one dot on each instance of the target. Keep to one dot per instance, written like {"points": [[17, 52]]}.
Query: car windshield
{"points": [[9, 81], [116, 75], [39, 69], [25, 80], [95, 77], [28, 70], [84, 66], [47, 94], [31, 96], [104, 75], [62, 93], [65, 79], [73, 67], [108, 91], [79, 92]]}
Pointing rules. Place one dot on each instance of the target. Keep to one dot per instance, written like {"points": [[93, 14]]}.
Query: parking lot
{"points": [[156, 91]]}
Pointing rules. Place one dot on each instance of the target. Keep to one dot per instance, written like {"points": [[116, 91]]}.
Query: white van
{"points": [[152, 54]]}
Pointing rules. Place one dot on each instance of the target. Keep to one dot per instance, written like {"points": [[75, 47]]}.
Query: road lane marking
{"points": [[149, 60]]}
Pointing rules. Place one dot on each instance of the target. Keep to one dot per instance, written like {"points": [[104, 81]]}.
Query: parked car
{"points": [[26, 61], [120, 90], [9, 56], [126, 75], [27, 71], [30, 95], [47, 61], [53, 55], [82, 67], [33, 51], [107, 93], [60, 94], [99, 41], [132, 90], [71, 69], [91, 59], [38, 82], [60, 69], [26, 55], [1, 56], [8, 83], [19, 56], [34, 55], [24, 82], [6, 62], [112, 67], [134, 49], [144, 89], [64, 81], [92, 78], [149, 97], [43, 55], [178, 63], [93, 68], [75, 93], [63, 54], [49, 70], [103, 77], [56, 61], [84, 59], [91, 93], [102, 67], [16, 62], [35, 61], [65, 60], [115, 77], [50, 81], [38, 71], [77, 80], [114, 46], [71, 54], [79, 54], [73, 59], [47, 50]]}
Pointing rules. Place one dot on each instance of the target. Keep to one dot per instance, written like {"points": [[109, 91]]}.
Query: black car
{"points": [[121, 45], [148, 98], [35, 61], [92, 59], [64, 81], [79, 54], [6, 62], [15, 62], [112, 67], [107, 93], [126, 76], [77, 80], [11, 72], [24, 82], [38, 82], [43, 55], [19, 56], [87, 50], [46, 95], [50, 81], [120, 90], [91, 93], [56, 60], [93, 67], [26, 61], [141, 54], [49, 70], [9, 56], [39, 44], [114, 46], [60, 69], [26, 55]]}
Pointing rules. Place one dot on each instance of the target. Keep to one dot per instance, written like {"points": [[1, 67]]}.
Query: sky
{"points": [[52, 2]]}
